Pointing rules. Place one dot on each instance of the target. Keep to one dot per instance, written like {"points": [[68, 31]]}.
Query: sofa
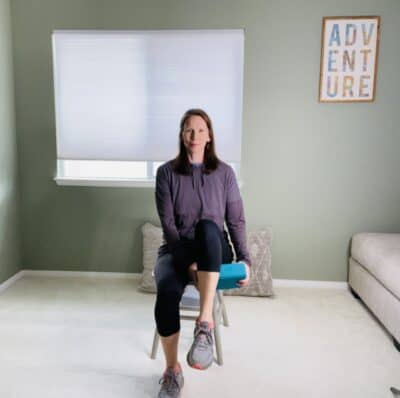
{"points": [[374, 277]]}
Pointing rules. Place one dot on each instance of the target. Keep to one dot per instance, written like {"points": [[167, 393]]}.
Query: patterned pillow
{"points": [[152, 240], [259, 246]]}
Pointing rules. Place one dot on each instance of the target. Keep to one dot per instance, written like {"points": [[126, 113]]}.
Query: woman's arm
{"points": [[165, 209], [235, 220]]}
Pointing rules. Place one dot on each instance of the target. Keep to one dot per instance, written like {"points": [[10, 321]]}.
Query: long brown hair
{"points": [[181, 163]]}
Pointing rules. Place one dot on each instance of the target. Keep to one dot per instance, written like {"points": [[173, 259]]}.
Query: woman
{"points": [[195, 193]]}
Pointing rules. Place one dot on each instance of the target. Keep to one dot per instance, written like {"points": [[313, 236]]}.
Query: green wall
{"points": [[314, 173], [9, 218]]}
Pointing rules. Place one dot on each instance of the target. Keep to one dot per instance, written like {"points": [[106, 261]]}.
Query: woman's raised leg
{"points": [[212, 250]]}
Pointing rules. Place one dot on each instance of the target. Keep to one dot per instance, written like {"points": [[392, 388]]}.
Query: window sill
{"points": [[105, 182], [110, 182]]}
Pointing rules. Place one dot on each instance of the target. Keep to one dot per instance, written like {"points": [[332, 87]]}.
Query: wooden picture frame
{"points": [[349, 58]]}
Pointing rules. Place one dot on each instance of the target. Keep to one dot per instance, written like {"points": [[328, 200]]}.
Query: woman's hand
{"points": [[245, 281]]}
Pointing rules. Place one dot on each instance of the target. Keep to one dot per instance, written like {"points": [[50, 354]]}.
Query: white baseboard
{"points": [[125, 275], [7, 283], [309, 284], [85, 274]]}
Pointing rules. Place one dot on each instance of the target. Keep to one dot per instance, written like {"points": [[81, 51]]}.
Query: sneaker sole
{"points": [[197, 365]]}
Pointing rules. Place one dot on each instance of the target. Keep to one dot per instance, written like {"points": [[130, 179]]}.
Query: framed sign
{"points": [[349, 56]]}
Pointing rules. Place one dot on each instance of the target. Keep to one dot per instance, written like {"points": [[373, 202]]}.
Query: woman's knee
{"points": [[206, 228], [166, 312], [168, 290], [208, 235]]}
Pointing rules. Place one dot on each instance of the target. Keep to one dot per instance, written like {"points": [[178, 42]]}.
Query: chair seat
{"points": [[190, 297]]}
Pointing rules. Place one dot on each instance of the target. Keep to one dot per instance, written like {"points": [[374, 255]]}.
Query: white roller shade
{"points": [[120, 95]]}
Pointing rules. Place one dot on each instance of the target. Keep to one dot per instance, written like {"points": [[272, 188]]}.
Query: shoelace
{"points": [[169, 382], [203, 338]]}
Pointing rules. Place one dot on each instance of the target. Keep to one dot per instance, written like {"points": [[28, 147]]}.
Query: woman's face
{"points": [[195, 135]]}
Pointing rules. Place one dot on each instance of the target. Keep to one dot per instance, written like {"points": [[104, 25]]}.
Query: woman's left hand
{"points": [[244, 282]]}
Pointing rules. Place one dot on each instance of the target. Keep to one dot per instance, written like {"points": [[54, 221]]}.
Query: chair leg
{"points": [[395, 391], [217, 336], [223, 308], [396, 344], [155, 344]]}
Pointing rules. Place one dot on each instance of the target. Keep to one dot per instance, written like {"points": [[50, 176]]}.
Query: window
{"points": [[119, 97]]}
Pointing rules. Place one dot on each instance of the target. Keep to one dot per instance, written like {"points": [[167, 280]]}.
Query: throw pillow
{"points": [[152, 240], [259, 246]]}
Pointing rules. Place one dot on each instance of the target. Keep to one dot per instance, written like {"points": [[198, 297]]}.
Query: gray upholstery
{"points": [[374, 274], [380, 255]]}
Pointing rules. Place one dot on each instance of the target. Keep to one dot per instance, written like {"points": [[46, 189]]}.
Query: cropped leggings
{"points": [[209, 248]]}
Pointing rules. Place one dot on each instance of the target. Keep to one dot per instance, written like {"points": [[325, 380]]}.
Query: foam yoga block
{"points": [[230, 274]]}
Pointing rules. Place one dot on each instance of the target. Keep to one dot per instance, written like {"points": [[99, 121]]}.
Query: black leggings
{"points": [[210, 249]]}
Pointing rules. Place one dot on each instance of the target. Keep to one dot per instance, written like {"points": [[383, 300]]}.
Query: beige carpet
{"points": [[91, 337]]}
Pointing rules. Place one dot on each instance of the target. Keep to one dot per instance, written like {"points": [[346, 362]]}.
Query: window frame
{"points": [[146, 182]]}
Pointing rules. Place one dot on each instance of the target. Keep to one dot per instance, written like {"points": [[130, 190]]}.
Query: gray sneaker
{"points": [[201, 354], [171, 384]]}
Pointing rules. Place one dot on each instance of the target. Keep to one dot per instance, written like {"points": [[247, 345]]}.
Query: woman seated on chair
{"points": [[195, 194]]}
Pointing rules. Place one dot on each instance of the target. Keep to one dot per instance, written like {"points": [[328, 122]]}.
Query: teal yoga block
{"points": [[230, 274]]}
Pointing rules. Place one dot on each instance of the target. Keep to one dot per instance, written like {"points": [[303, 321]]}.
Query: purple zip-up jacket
{"points": [[182, 200]]}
